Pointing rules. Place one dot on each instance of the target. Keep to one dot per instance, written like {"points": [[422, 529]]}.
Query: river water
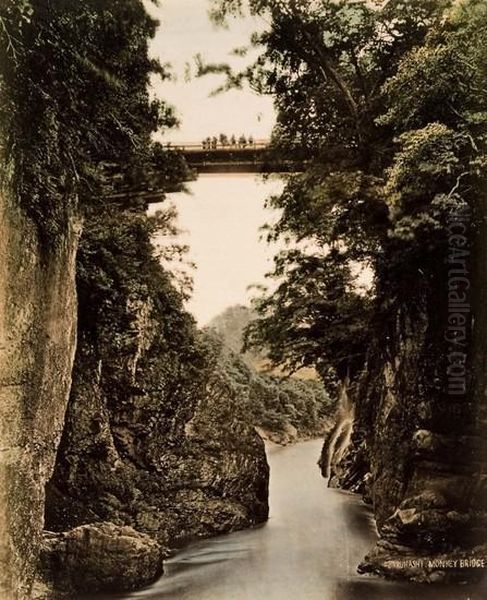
{"points": [[315, 536], [308, 550]]}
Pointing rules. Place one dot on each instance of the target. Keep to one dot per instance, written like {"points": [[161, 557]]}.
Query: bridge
{"points": [[254, 157], [241, 157]]}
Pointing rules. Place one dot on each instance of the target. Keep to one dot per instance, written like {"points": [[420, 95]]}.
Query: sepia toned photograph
{"points": [[243, 299]]}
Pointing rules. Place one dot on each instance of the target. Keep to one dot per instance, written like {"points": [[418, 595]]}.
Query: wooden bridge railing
{"points": [[188, 147]]}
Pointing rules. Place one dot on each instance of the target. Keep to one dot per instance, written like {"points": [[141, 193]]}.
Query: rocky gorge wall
{"points": [[416, 453], [152, 437], [170, 463], [37, 342], [146, 440]]}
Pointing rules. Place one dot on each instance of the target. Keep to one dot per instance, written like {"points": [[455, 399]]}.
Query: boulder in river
{"points": [[101, 557]]}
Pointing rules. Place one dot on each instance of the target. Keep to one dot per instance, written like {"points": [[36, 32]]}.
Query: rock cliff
{"points": [[76, 138], [416, 453], [152, 439], [37, 341]]}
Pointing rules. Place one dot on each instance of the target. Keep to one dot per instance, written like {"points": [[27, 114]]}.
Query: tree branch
{"points": [[320, 56]]}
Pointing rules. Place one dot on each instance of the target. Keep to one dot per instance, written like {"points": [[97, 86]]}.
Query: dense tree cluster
{"points": [[286, 409], [264, 397], [389, 100], [74, 96]]}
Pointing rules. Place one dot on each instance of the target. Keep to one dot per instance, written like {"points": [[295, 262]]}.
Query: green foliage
{"points": [[74, 94], [274, 403], [325, 63], [117, 263], [437, 109], [387, 101], [314, 318]]}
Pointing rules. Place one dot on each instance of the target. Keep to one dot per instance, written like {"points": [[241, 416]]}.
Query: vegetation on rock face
{"points": [[388, 101], [143, 374], [152, 438], [74, 95], [77, 121]]}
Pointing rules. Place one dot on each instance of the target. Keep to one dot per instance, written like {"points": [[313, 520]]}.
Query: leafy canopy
{"points": [[74, 80], [386, 99]]}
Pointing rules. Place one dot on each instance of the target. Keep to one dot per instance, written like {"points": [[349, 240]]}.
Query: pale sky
{"points": [[221, 219], [185, 31], [222, 216]]}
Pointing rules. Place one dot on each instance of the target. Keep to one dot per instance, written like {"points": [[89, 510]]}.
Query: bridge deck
{"points": [[251, 158]]}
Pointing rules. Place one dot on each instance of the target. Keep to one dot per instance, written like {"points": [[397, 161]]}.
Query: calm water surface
{"points": [[315, 536], [308, 550]]}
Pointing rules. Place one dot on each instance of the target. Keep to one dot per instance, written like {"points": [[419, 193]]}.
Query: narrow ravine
{"points": [[308, 550]]}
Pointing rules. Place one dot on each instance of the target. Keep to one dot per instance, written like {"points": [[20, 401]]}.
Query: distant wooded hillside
{"points": [[283, 408]]}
